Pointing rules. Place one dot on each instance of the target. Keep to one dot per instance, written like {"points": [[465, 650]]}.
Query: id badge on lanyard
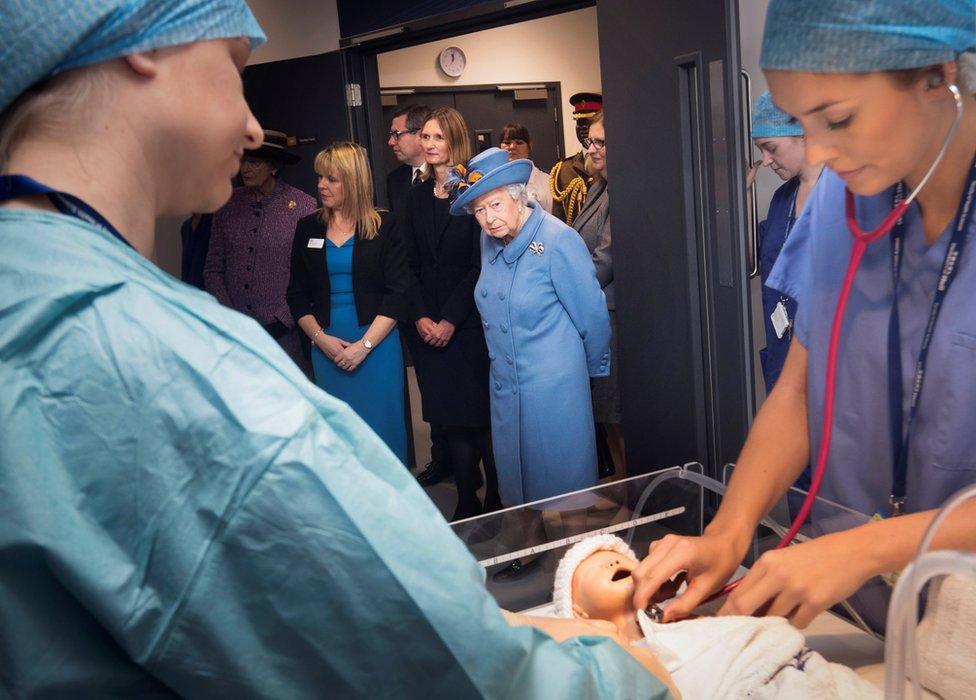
{"points": [[901, 429], [780, 318]]}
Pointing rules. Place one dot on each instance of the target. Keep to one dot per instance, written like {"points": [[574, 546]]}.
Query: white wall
{"points": [[294, 28], [562, 48]]}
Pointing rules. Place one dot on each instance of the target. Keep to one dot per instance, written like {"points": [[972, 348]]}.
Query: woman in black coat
{"points": [[347, 290], [446, 342]]}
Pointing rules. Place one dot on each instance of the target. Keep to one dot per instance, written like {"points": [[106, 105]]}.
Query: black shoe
{"points": [[517, 569], [433, 473], [468, 510], [492, 502]]}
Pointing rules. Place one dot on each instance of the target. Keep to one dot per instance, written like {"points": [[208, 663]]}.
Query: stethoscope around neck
{"points": [[862, 239]]}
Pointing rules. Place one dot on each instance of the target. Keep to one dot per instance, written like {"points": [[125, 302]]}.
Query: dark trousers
{"points": [[468, 448]]}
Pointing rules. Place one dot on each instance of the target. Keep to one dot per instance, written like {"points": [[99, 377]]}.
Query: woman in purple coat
{"points": [[249, 259]]}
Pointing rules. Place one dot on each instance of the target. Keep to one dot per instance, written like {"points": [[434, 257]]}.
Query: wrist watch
{"points": [[368, 343]]}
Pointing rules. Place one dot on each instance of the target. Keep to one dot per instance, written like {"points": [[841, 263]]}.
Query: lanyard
{"points": [[900, 430], [791, 218], [13, 186], [791, 215]]}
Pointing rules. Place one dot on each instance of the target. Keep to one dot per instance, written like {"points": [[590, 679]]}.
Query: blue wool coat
{"points": [[548, 331]]}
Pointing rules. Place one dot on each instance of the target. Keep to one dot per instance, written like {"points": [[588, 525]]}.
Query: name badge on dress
{"points": [[780, 319], [316, 242]]}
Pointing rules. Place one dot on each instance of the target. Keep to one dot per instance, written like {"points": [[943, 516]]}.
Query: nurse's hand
{"points": [[330, 345], [709, 560], [752, 172], [801, 581]]}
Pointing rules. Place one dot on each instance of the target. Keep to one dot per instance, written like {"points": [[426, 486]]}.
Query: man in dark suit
{"points": [[405, 142]]}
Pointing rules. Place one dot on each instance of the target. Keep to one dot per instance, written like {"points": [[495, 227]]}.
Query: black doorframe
{"points": [[695, 348], [361, 68]]}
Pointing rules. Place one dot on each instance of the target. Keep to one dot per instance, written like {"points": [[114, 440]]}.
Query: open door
{"points": [[671, 81]]}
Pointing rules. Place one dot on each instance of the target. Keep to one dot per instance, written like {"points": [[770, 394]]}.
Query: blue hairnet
{"points": [[861, 36], [769, 121], [41, 39]]}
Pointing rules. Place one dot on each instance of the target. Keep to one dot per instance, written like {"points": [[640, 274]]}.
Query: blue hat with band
{"points": [[862, 36], [769, 121], [487, 171]]}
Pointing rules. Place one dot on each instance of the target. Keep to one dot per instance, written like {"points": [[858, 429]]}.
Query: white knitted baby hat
{"points": [[562, 587]]}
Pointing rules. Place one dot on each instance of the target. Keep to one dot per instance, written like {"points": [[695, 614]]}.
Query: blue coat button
{"points": [[508, 359], [504, 328], [514, 389], [491, 356], [501, 295], [498, 385], [486, 324], [484, 292]]}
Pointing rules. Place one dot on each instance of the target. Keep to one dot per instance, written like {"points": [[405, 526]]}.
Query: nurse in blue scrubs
{"points": [[870, 84], [780, 140]]}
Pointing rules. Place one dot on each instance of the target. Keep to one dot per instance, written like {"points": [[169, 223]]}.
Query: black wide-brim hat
{"points": [[274, 149]]}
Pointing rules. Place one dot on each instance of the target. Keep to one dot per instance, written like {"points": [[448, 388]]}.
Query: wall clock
{"points": [[452, 61]]}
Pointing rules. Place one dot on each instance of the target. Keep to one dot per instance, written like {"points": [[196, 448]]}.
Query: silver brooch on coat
{"points": [[537, 248]]}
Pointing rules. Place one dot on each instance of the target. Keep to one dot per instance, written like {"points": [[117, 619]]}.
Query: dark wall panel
{"points": [[303, 97], [669, 297], [358, 17]]}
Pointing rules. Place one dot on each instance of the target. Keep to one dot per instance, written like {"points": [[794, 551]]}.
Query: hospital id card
{"points": [[316, 242], [780, 319]]}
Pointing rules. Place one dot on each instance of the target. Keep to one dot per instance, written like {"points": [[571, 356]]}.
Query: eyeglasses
{"points": [[395, 135], [596, 143]]}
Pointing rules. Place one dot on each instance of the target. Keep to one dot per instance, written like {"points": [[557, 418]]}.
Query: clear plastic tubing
{"points": [[903, 609]]}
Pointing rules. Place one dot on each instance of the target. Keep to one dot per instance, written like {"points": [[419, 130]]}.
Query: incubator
{"points": [[520, 547]]}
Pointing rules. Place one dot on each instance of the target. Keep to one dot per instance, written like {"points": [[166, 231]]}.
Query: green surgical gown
{"points": [[182, 512]]}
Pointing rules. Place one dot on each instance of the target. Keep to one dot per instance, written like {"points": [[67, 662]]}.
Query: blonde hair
{"points": [[52, 106], [347, 162], [455, 131]]}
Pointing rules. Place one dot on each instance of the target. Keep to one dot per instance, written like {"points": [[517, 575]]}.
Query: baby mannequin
{"points": [[708, 657]]}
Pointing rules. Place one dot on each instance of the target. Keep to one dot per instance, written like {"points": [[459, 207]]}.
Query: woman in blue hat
{"points": [[182, 513], [546, 324], [884, 93]]}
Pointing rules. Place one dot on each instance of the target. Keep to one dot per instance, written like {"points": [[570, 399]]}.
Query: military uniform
{"points": [[568, 179]]}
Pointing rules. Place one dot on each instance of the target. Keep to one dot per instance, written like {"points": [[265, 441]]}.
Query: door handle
{"points": [[753, 198]]}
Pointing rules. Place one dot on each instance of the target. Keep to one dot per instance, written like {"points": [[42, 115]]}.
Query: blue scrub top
{"points": [[811, 269], [773, 233]]}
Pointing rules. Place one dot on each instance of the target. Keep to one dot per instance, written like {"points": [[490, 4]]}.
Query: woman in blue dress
{"points": [[548, 331], [877, 88], [348, 280]]}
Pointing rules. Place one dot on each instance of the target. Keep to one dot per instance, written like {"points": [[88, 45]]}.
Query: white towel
{"points": [[738, 657], [947, 639]]}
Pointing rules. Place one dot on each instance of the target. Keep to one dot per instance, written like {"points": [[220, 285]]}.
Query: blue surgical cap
{"points": [[862, 36], [769, 121], [41, 39]]}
